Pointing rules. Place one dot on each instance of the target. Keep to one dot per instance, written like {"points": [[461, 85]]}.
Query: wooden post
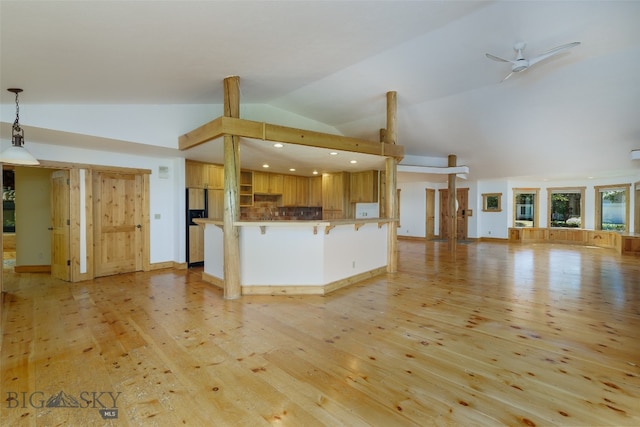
{"points": [[232, 288], [392, 212], [453, 214], [392, 118], [391, 168]]}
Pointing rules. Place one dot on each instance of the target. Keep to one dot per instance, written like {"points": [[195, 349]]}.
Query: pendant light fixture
{"points": [[17, 154]]}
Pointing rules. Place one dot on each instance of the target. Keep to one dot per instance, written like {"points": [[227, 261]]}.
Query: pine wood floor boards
{"points": [[510, 335]]}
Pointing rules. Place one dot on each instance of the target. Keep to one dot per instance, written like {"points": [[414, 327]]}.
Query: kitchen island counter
{"points": [[299, 256]]}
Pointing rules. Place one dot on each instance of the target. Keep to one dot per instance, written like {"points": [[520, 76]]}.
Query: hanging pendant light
{"points": [[17, 154]]}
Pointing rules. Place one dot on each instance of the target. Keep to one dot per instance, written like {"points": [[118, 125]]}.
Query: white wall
{"points": [[33, 216], [492, 224], [413, 202]]}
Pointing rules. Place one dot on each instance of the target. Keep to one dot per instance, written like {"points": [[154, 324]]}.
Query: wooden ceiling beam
{"points": [[269, 132]]}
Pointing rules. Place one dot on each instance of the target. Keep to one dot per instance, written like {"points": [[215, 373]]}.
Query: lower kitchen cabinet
{"points": [[196, 244]]}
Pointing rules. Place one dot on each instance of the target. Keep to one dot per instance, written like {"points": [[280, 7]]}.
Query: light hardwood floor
{"points": [[531, 335]]}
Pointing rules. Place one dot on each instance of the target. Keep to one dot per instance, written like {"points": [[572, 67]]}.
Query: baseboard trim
{"points": [[297, 289], [215, 281], [32, 269], [494, 239], [415, 238]]}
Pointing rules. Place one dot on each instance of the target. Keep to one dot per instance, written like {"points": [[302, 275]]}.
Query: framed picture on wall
{"points": [[492, 202]]}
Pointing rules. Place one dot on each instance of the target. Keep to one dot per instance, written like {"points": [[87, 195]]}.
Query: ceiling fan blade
{"points": [[508, 75], [552, 52], [496, 58]]}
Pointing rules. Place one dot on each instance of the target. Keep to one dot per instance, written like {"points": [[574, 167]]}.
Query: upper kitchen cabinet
{"points": [[335, 195], [295, 191], [315, 191], [215, 177], [364, 187], [302, 191], [267, 183], [290, 190], [196, 174]]}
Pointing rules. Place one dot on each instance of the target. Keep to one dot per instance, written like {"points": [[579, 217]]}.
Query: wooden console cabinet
{"points": [[577, 236]]}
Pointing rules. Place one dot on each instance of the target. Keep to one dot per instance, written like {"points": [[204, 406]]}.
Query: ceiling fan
{"points": [[521, 63]]}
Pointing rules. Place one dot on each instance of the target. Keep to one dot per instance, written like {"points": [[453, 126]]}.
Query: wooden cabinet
{"points": [[289, 190], [315, 191], [600, 238], [215, 203], [295, 191], [335, 195], [302, 191], [195, 198], [215, 177], [246, 188], [204, 175], [196, 174], [631, 245], [364, 187], [267, 183], [196, 244]]}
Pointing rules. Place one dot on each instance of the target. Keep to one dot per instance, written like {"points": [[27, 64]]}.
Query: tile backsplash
{"points": [[265, 208]]}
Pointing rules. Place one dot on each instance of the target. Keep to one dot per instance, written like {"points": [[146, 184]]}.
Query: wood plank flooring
{"points": [[516, 335]]}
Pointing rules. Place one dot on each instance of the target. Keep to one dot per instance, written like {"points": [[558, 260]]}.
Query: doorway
{"points": [[462, 196], [430, 221], [70, 253], [636, 210]]}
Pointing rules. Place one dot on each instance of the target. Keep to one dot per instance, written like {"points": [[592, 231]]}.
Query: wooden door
{"points": [[463, 202], [118, 213], [636, 210], [60, 225], [430, 222], [463, 207]]}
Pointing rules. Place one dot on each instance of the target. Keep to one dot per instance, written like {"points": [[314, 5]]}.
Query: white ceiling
{"points": [[575, 115]]}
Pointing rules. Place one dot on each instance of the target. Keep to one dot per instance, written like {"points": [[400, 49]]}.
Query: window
{"points": [[525, 207], [566, 207], [492, 202], [612, 207]]}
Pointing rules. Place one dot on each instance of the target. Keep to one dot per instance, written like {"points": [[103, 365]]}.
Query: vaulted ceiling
{"points": [[575, 115]]}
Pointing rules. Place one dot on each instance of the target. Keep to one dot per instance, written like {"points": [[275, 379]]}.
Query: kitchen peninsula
{"points": [[242, 247], [299, 257]]}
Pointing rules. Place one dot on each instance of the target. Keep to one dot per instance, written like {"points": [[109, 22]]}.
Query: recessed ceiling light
{"points": [[333, 153], [353, 161], [265, 166], [292, 169], [315, 172], [278, 145]]}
